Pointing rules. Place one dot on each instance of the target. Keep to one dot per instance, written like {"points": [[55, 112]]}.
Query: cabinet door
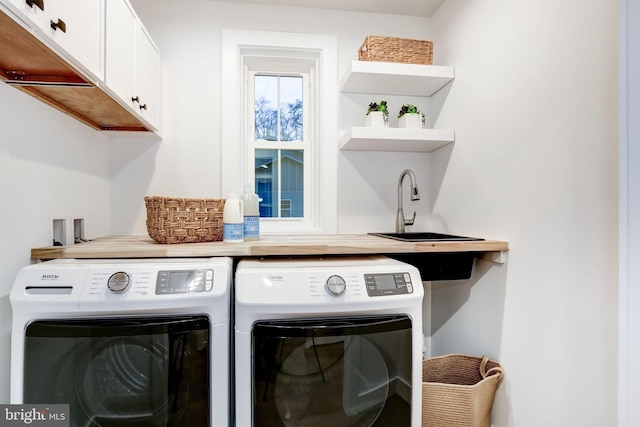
{"points": [[76, 26], [31, 10], [120, 51], [147, 77]]}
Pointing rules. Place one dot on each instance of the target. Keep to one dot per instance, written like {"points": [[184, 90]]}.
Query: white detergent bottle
{"points": [[251, 213], [233, 220]]}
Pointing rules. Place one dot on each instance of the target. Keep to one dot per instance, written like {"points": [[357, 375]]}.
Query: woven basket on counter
{"points": [[176, 220], [458, 390], [393, 49]]}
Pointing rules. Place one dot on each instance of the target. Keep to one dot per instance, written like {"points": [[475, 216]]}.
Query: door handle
{"points": [[60, 24], [39, 3]]}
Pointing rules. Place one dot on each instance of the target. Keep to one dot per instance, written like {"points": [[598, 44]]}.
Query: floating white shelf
{"points": [[397, 79], [395, 139], [393, 78]]}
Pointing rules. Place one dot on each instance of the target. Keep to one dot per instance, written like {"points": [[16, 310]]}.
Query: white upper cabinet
{"points": [[90, 59], [132, 62], [147, 77], [32, 10], [74, 27], [121, 51], [77, 27]]}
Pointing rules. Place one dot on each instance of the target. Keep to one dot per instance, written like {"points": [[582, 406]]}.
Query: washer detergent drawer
{"points": [[121, 371], [353, 371]]}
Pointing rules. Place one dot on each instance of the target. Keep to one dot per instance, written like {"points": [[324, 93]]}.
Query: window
{"points": [[278, 143], [279, 130]]}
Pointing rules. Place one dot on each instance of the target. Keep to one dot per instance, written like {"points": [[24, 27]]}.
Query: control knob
{"points": [[119, 282], [335, 285]]}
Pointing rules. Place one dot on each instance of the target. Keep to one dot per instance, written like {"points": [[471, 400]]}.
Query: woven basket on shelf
{"points": [[458, 390], [176, 220], [393, 49]]}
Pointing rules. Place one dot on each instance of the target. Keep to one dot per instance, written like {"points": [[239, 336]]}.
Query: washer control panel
{"points": [[388, 284], [183, 281]]}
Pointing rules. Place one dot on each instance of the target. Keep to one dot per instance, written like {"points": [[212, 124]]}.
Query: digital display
{"points": [[184, 281], [178, 278], [388, 284], [385, 281]]}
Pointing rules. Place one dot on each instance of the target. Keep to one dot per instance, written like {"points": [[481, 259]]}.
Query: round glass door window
{"points": [[123, 381], [332, 381]]}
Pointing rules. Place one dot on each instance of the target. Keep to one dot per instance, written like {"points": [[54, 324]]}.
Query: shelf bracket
{"points": [[496, 257]]}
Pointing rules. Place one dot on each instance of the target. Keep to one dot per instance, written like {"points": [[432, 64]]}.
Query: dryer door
{"points": [[335, 372], [121, 371]]}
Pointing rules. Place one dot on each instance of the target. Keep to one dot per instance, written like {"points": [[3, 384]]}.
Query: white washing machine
{"points": [[328, 342], [142, 342]]}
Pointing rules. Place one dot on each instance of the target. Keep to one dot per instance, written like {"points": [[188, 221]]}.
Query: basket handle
{"points": [[490, 372]]}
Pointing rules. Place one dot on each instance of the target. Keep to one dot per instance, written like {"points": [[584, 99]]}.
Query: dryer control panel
{"points": [[388, 284], [184, 281]]}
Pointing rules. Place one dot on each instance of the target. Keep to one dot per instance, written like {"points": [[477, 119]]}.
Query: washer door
{"points": [[331, 372], [123, 381], [121, 372]]}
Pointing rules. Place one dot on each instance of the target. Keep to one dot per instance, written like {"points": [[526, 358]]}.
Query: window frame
{"points": [[239, 49]]}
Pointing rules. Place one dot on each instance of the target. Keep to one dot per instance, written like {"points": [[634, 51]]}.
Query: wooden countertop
{"points": [[142, 246]]}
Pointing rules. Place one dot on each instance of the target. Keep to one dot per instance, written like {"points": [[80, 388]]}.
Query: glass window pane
{"points": [[293, 183], [278, 111], [266, 108], [291, 108], [266, 181], [279, 182]]}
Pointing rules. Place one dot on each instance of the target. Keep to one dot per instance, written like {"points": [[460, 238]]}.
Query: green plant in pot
{"points": [[410, 117], [378, 114]]}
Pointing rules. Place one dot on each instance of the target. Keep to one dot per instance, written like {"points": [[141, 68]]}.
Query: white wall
{"points": [[187, 162], [51, 166], [534, 105]]}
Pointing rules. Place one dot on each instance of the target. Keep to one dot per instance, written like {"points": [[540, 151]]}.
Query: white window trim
{"points": [[233, 41]]}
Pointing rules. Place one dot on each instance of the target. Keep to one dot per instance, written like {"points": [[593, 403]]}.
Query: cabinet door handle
{"points": [[60, 24], [39, 3], [143, 107], [135, 99]]}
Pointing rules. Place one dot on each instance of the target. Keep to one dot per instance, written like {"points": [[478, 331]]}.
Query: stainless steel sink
{"points": [[425, 237]]}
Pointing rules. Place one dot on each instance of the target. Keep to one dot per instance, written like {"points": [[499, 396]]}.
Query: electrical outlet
{"points": [[58, 232], [78, 230]]}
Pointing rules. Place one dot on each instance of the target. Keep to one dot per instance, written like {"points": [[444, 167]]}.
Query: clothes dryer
{"points": [[137, 342], [328, 342]]}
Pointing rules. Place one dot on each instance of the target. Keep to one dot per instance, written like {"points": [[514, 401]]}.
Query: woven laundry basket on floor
{"points": [[458, 390]]}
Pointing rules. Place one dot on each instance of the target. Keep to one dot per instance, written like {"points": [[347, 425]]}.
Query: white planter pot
{"points": [[410, 121], [377, 119]]}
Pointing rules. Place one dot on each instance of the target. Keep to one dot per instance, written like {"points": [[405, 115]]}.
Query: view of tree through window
{"points": [[278, 118], [278, 108]]}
